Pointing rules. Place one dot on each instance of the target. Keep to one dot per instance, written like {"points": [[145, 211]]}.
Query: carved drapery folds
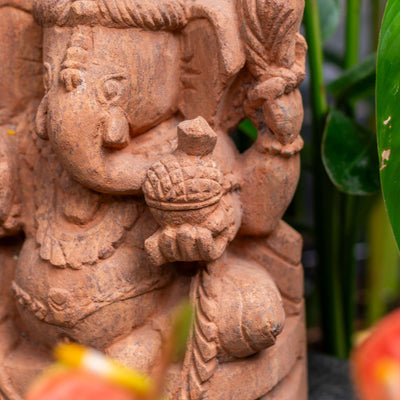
{"points": [[132, 195]]}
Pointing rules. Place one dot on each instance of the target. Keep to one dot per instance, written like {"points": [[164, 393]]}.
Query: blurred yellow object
{"points": [[386, 369], [76, 356], [11, 132], [387, 372], [361, 336]]}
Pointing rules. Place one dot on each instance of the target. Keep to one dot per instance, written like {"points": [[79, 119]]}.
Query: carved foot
{"points": [[21, 361], [245, 304]]}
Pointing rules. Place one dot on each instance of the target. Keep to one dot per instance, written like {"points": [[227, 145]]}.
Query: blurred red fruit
{"points": [[76, 385], [376, 362]]}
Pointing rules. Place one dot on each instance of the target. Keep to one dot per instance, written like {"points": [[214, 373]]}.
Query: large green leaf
{"points": [[349, 155], [357, 82], [329, 14], [388, 112]]}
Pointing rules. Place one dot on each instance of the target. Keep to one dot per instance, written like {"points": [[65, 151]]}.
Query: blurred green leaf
{"points": [[383, 280], [329, 13], [248, 129], [388, 112], [349, 155], [181, 329], [357, 82], [332, 56]]}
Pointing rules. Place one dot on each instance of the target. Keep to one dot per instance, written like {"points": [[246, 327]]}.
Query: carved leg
{"points": [[20, 360], [249, 308], [23, 363], [7, 342], [239, 312], [142, 348]]}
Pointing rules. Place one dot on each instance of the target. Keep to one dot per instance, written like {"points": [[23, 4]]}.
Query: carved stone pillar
{"points": [[131, 194]]}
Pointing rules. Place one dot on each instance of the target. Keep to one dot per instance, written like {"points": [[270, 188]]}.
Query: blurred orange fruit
{"points": [[376, 361]]}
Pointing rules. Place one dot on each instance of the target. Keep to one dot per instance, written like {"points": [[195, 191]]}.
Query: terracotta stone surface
{"points": [[122, 191]]}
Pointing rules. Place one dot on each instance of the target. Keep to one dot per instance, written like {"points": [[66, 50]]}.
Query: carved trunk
{"points": [[122, 192]]}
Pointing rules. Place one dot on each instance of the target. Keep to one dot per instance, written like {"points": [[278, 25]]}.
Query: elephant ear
{"points": [[212, 56], [21, 59], [270, 32]]}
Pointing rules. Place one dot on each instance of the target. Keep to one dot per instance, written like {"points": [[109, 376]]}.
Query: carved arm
{"points": [[276, 61]]}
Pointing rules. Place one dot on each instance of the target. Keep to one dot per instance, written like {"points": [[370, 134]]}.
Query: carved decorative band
{"points": [[164, 206]]}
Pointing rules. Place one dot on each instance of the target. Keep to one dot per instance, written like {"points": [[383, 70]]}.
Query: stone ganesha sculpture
{"points": [[122, 191]]}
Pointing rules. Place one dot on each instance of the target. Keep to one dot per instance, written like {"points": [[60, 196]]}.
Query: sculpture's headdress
{"points": [[261, 32], [145, 14], [218, 22]]}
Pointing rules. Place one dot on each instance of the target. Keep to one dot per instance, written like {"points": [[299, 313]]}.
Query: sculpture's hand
{"points": [[268, 143], [201, 242], [187, 196], [283, 111], [278, 95]]}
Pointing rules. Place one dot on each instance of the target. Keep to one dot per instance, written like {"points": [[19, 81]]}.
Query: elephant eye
{"points": [[113, 87]]}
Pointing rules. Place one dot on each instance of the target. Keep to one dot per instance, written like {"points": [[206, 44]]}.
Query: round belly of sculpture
{"points": [[93, 305]]}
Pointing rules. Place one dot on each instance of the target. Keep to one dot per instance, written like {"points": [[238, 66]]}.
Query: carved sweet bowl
{"points": [[181, 189]]}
